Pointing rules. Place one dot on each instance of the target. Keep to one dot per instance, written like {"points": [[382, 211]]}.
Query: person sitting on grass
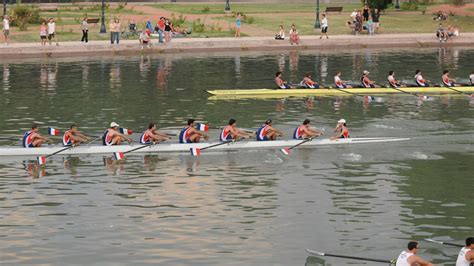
{"points": [[294, 38], [281, 34], [441, 33]]}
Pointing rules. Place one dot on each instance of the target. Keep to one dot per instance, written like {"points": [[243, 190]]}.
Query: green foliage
{"points": [[379, 4], [245, 18], [409, 6], [178, 21], [205, 9], [21, 15], [215, 27], [458, 2], [198, 26]]}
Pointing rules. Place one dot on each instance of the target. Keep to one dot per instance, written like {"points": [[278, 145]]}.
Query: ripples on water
{"points": [[233, 208]]}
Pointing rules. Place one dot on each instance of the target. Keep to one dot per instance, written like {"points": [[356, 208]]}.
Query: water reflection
{"points": [[144, 67], [162, 72], [85, 77], [6, 77], [48, 77]]}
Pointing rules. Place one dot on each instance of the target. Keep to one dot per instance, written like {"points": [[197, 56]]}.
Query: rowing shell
{"points": [[176, 147], [331, 92]]}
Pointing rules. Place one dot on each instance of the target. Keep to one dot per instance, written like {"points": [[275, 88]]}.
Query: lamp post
{"points": [[227, 6], [317, 24], [102, 19], [4, 7]]}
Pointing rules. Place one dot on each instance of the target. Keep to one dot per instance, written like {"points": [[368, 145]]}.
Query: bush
{"points": [[205, 9], [198, 26], [245, 18], [215, 27], [21, 14], [409, 6], [177, 21], [458, 2], [379, 4]]}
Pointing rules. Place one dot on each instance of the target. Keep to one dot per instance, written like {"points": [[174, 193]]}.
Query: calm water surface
{"points": [[235, 208]]}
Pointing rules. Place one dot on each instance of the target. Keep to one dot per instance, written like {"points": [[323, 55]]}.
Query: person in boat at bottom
{"points": [[305, 131], [231, 132], [189, 134], [112, 136], [409, 257], [392, 82], [447, 81], [308, 83], [151, 135], [73, 137], [33, 139], [341, 84], [366, 82], [267, 132], [466, 254], [281, 84], [341, 130], [420, 81]]}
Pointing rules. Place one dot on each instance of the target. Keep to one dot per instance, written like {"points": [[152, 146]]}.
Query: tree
{"points": [[21, 15], [379, 4]]}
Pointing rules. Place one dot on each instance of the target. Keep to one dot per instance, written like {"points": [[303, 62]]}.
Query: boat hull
{"points": [[175, 147]]}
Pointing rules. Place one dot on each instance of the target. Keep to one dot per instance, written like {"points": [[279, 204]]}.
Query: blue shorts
{"points": [[262, 139]]}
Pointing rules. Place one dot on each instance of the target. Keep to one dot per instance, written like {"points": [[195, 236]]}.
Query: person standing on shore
{"points": [[160, 25], [43, 33], [238, 22], [118, 27], [168, 30], [324, 27], [358, 23], [294, 38], [375, 19], [6, 28], [85, 30], [112, 31], [366, 13], [52, 31]]}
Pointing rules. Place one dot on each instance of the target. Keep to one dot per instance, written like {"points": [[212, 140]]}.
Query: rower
{"points": [[340, 83], [392, 81], [366, 82], [280, 82], [466, 255], [189, 134], [419, 79], [409, 257], [151, 135], [73, 137], [231, 132], [267, 132], [341, 130], [448, 82], [308, 83], [112, 136], [305, 131], [32, 139]]}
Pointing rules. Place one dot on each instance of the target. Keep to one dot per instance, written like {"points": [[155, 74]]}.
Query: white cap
{"points": [[113, 124], [366, 72], [342, 121]]}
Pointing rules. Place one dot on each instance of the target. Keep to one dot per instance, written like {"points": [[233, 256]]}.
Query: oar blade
{"points": [[119, 156], [195, 152], [285, 151], [41, 160], [369, 98]]}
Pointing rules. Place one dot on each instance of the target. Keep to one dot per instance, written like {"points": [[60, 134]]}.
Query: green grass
{"points": [[194, 8]]}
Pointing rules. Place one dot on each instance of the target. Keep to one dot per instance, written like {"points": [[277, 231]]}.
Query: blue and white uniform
{"points": [[226, 134], [184, 135], [298, 133], [262, 132], [27, 139], [106, 138], [67, 141]]}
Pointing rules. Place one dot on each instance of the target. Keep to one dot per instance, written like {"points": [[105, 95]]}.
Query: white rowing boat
{"points": [[176, 147]]}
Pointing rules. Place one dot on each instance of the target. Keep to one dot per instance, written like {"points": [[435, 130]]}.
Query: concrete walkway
{"points": [[67, 49]]}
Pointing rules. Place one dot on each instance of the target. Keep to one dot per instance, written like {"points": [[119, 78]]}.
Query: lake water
{"points": [[235, 208]]}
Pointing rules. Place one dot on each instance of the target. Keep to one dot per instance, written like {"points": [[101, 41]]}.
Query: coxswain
{"points": [[448, 82], [305, 131], [341, 130], [366, 82], [340, 83], [112, 136], [231, 132], [189, 134], [151, 135], [73, 137], [280, 82], [419, 79], [466, 254], [32, 139], [267, 132], [392, 81], [409, 257], [308, 83]]}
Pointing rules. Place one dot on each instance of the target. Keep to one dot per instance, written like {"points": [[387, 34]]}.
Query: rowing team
{"points": [[409, 257], [366, 82], [191, 133]]}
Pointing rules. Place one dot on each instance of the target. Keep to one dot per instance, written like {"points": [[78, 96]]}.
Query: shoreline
{"points": [[228, 44]]}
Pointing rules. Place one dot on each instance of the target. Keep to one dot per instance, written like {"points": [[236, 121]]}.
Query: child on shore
{"points": [[43, 33]]}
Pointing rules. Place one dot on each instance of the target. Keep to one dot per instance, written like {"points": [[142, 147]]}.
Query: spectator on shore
{"points": [[440, 15], [358, 23], [145, 38], [281, 34], [354, 15], [324, 27], [112, 31], [52, 31], [294, 38], [85, 30], [43, 29], [238, 22], [366, 12], [6, 28], [118, 28], [160, 28], [376, 19], [149, 25], [370, 27], [441, 33], [168, 30]]}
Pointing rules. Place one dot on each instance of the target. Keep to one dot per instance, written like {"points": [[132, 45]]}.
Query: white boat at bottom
{"points": [[177, 147]]}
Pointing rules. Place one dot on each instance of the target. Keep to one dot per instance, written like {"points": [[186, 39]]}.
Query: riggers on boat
{"points": [[176, 147]]}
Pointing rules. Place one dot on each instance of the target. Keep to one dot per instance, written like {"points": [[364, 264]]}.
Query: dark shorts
{"points": [[144, 42], [50, 36], [6, 32], [324, 29], [43, 37]]}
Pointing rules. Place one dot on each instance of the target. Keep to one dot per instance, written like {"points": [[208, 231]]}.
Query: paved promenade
{"points": [[129, 47]]}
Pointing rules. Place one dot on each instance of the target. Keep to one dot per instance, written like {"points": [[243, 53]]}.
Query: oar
{"points": [[286, 151], [423, 97], [365, 97], [197, 151], [453, 89], [42, 159], [120, 155], [317, 253], [443, 243]]}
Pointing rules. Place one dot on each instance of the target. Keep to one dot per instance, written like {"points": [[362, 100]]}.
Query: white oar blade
{"points": [[434, 241], [195, 152], [313, 252], [286, 151], [119, 155], [41, 160]]}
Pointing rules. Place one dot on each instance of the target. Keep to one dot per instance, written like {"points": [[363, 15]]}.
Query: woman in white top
{"points": [[324, 27], [408, 257], [466, 255], [281, 34], [6, 28], [52, 31]]}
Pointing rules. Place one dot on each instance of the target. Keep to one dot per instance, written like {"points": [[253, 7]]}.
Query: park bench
{"points": [[48, 9], [93, 20], [334, 9]]}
